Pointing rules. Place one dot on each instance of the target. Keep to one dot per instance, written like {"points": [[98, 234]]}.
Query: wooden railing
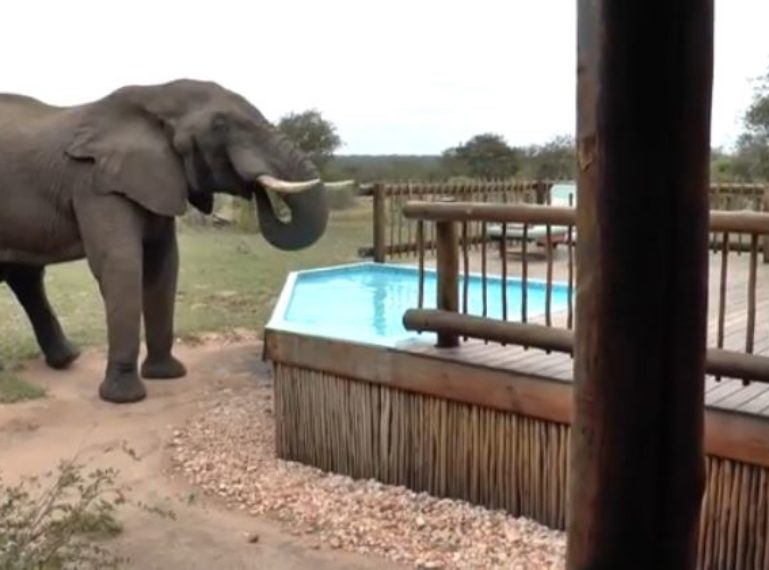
{"points": [[394, 235], [737, 196], [451, 319]]}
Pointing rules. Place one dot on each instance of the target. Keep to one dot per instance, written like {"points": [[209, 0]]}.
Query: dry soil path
{"points": [[35, 436]]}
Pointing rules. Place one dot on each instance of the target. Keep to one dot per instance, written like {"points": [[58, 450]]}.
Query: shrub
{"points": [[60, 525], [342, 198]]}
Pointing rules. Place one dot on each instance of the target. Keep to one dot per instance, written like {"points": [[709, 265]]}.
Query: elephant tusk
{"points": [[339, 184], [285, 187]]}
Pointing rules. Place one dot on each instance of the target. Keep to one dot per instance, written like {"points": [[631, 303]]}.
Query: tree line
{"points": [[486, 155], [489, 156]]}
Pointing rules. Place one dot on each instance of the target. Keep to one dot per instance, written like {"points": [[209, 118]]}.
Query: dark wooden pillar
{"points": [[447, 273], [765, 239], [637, 465], [380, 223]]}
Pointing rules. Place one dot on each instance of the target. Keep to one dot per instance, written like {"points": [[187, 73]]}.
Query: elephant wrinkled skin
{"points": [[105, 180]]}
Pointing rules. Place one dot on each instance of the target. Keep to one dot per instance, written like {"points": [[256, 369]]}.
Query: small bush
{"points": [[60, 525]]}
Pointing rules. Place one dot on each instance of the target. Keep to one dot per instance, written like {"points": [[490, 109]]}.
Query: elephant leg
{"points": [[112, 231], [2, 278], [161, 269], [27, 284]]}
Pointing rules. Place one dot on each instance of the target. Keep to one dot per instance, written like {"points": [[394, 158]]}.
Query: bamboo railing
{"points": [[394, 235], [451, 319]]}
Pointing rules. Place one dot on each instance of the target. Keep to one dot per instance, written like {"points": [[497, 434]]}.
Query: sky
{"points": [[395, 77]]}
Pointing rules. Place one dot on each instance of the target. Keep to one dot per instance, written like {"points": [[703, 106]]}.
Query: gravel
{"points": [[228, 450]]}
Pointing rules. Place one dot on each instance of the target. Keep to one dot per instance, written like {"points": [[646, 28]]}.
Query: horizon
{"points": [[404, 79]]}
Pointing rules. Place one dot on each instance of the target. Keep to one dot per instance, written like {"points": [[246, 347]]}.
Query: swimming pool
{"points": [[365, 302]]}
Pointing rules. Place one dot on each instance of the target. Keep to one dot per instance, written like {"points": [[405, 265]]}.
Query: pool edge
{"points": [[277, 320]]}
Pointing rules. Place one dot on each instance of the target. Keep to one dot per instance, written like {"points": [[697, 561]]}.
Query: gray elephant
{"points": [[105, 180]]}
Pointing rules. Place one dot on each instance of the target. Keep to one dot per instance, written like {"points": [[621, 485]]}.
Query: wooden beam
{"points": [[490, 212], [495, 330], [739, 222], [718, 220], [731, 364], [736, 436], [718, 362], [637, 464]]}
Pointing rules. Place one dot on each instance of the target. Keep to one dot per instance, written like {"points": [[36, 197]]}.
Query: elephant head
{"points": [[165, 145]]}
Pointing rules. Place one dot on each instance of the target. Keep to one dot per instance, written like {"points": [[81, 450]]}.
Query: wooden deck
{"points": [[726, 394]]}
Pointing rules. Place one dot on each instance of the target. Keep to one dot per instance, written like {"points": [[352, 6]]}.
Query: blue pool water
{"points": [[365, 302]]}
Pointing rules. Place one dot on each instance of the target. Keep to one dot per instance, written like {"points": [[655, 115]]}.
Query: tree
{"points": [[751, 160], [757, 116], [747, 163], [483, 156], [312, 134], [723, 166], [555, 160]]}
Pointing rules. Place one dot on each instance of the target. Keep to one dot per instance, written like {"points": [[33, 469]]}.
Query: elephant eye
{"points": [[219, 123]]}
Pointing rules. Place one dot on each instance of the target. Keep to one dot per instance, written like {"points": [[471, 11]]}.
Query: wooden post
{"points": [[765, 239], [447, 269], [380, 223], [636, 474], [543, 192]]}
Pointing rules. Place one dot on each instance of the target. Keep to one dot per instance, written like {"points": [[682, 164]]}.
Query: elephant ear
{"points": [[133, 157]]}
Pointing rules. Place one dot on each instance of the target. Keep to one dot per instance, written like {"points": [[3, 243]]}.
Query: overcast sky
{"points": [[400, 77]]}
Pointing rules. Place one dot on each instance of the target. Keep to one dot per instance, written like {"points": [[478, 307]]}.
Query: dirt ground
{"points": [[35, 436]]}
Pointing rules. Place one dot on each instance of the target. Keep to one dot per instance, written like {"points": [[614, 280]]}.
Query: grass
{"points": [[13, 389], [227, 280]]}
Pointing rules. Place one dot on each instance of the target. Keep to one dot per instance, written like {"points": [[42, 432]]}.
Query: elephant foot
{"points": [[122, 385], [165, 368], [61, 356]]}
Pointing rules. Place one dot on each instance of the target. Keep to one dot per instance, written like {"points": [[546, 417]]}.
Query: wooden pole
{"points": [[380, 223], [765, 240], [447, 269], [495, 330], [636, 473]]}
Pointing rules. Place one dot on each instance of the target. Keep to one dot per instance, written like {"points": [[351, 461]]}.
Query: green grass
{"points": [[227, 280], [13, 389]]}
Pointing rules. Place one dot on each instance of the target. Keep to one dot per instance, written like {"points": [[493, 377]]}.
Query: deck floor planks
{"points": [[757, 405], [743, 396], [725, 388], [728, 394]]}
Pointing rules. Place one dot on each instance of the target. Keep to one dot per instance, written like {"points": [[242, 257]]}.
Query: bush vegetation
{"points": [[63, 520]]}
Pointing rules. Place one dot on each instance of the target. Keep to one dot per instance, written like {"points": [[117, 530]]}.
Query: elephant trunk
{"points": [[308, 206], [309, 217]]}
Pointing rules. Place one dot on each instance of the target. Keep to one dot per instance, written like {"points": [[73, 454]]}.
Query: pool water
{"points": [[365, 302]]}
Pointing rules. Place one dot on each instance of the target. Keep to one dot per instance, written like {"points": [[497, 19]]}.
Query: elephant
{"points": [[105, 181]]}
